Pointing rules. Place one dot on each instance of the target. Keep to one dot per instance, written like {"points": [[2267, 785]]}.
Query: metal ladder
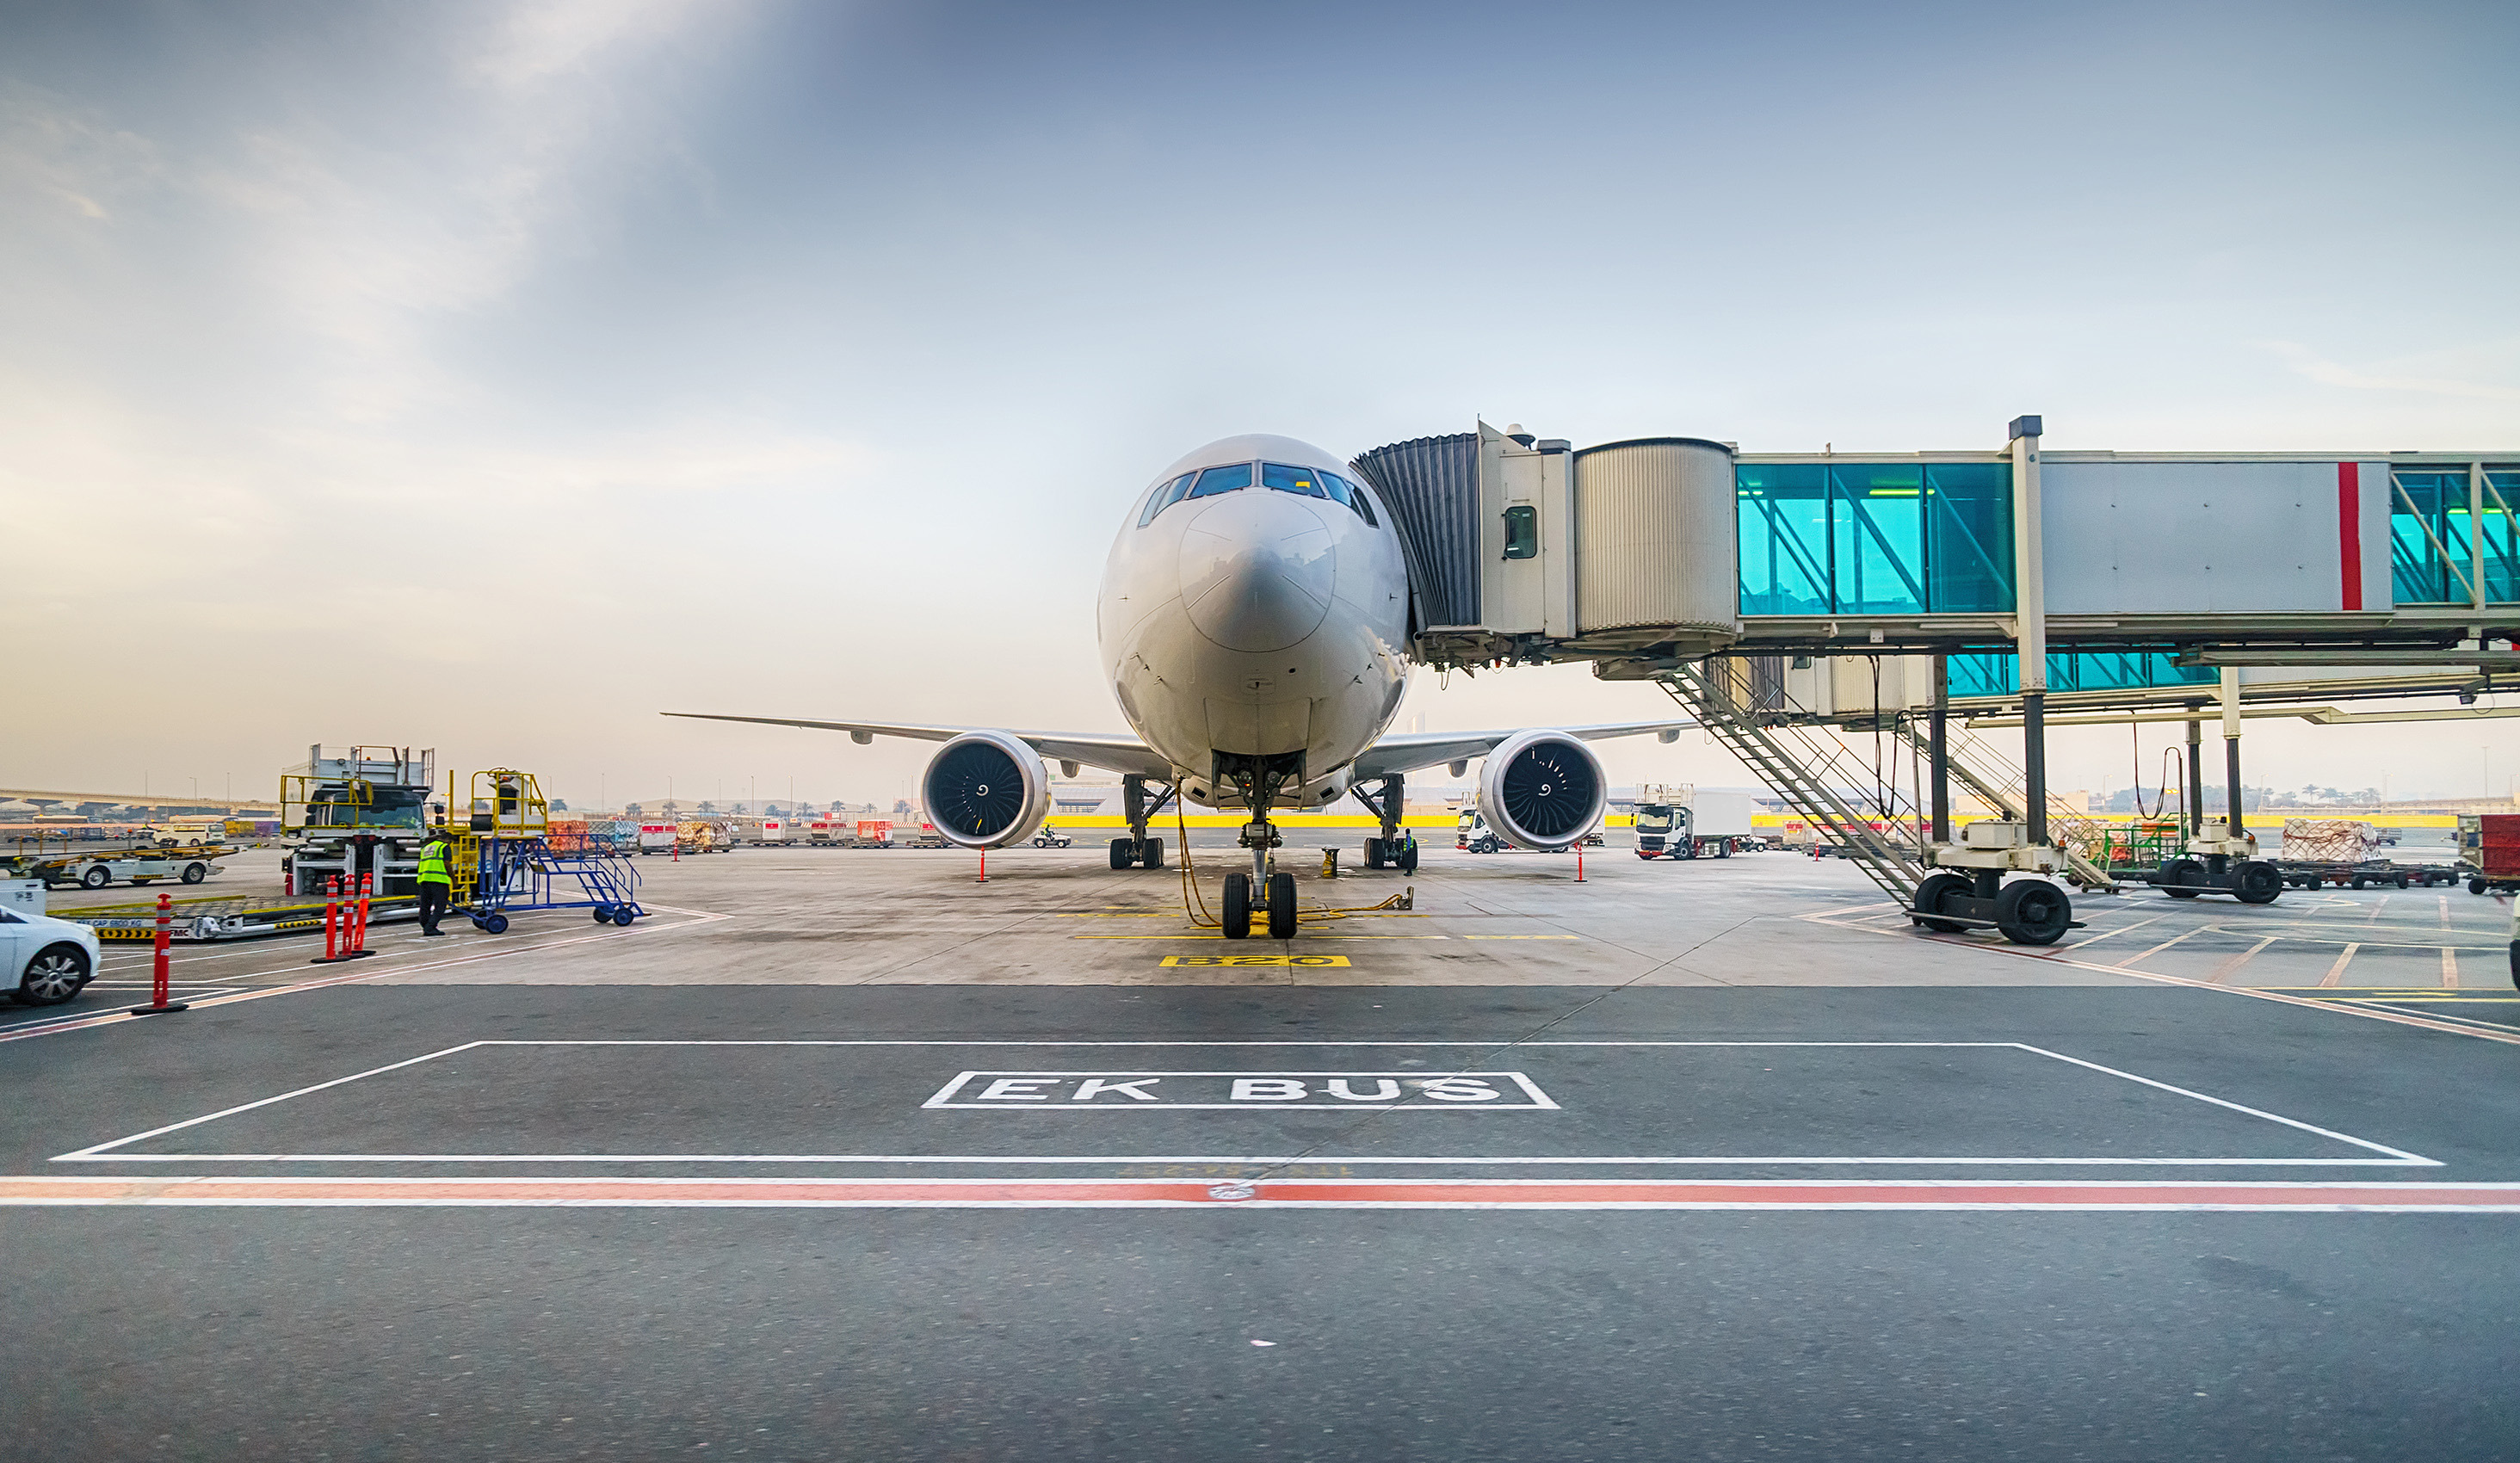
{"points": [[1699, 689], [1993, 777]]}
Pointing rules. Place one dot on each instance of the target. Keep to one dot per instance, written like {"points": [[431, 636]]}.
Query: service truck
{"points": [[1683, 823]]}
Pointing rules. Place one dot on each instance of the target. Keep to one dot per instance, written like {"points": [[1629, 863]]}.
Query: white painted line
{"points": [[2450, 968], [2326, 1132], [2502, 1034], [2336, 972], [1026, 1096], [1019, 1161], [89, 1020], [248, 1107], [104, 1152]]}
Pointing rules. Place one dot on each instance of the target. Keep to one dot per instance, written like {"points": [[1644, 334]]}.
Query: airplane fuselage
{"points": [[1254, 615]]}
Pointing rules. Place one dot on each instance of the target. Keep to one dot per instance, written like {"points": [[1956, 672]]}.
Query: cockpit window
{"points": [[1165, 497], [1353, 496], [1288, 479], [1217, 480]]}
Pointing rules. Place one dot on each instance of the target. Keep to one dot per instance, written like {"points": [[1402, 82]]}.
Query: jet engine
{"points": [[1543, 790], [986, 789]]}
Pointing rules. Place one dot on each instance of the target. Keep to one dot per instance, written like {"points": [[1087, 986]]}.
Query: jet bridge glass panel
{"points": [[1999, 675], [2438, 546], [1874, 538]]}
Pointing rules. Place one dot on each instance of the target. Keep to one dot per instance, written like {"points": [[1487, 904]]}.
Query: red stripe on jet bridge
{"points": [[2349, 532], [2495, 1198]]}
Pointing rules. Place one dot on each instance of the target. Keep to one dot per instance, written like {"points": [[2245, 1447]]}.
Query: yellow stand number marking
{"points": [[1303, 960]]}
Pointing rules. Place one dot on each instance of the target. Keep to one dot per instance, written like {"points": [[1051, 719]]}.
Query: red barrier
{"points": [[344, 927], [1579, 860], [158, 1004]]}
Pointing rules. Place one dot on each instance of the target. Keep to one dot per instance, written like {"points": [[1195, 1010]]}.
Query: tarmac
{"points": [[845, 1154]]}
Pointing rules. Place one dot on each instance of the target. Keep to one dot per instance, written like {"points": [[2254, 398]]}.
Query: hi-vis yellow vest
{"points": [[432, 865]]}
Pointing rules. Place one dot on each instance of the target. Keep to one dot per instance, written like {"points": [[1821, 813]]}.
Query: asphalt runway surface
{"points": [[1850, 1192]]}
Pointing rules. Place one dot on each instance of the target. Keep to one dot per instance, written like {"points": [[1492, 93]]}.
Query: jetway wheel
{"points": [[2179, 872], [1237, 906], [1931, 896], [1281, 907], [2033, 911], [2255, 881]]}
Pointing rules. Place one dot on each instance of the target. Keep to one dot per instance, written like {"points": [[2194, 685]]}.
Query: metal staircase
{"points": [[1994, 777], [1801, 775]]}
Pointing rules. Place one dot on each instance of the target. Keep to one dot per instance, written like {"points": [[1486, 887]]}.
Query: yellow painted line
{"points": [[1522, 937], [2442, 999], [2229, 968], [1241, 961], [1117, 914]]}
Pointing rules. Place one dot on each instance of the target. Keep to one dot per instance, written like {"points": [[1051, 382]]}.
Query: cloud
{"points": [[50, 151], [2320, 369]]}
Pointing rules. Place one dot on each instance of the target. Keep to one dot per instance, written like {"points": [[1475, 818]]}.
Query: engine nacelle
{"points": [[986, 789], [1543, 790]]}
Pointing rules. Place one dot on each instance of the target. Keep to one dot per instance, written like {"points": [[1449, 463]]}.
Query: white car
{"points": [[45, 961]]}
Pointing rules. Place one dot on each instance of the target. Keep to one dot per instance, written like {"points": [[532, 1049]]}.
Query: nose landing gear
{"points": [[1277, 891]]}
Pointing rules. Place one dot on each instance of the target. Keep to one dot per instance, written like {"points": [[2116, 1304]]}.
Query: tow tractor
{"points": [[95, 869]]}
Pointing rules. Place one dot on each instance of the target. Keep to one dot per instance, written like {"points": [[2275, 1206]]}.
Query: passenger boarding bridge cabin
{"points": [[2158, 567]]}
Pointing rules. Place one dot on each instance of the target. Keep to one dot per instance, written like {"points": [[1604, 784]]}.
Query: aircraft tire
{"points": [[1237, 906], [1151, 852], [1123, 854], [1281, 907], [1374, 853]]}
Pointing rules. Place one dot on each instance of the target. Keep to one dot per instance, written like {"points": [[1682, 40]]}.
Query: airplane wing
{"points": [[1119, 754], [1408, 751]]}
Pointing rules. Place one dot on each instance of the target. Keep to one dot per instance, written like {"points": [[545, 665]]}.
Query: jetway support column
{"points": [[2231, 747], [2029, 599], [1939, 749], [2193, 795]]}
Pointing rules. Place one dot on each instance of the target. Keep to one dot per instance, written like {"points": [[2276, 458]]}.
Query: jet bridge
{"points": [[1882, 590]]}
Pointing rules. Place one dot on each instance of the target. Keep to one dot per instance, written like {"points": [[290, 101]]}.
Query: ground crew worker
{"points": [[436, 883]]}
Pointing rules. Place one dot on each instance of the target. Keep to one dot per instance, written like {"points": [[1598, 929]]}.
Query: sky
{"points": [[491, 376]]}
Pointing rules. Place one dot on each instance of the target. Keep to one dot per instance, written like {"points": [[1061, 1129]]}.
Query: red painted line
{"points": [[2349, 532], [2503, 1198]]}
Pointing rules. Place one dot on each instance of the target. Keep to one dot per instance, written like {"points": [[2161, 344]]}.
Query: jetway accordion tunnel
{"points": [[2158, 567]]}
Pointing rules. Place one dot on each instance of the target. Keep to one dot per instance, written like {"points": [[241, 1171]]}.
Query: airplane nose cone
{"points": [[1257, 572]]}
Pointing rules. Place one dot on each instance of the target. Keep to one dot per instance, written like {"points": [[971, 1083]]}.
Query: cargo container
{"points": [[2489, 844]]}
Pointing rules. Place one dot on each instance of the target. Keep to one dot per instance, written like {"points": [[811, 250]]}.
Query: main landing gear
{"points": [[1394, 849], [1138, 851]]}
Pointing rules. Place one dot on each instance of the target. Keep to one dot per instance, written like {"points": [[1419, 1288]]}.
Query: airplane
{"points": [[1254, 617]]}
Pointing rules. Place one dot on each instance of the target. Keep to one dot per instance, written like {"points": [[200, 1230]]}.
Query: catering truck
{"points": [[1680, 822]]}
